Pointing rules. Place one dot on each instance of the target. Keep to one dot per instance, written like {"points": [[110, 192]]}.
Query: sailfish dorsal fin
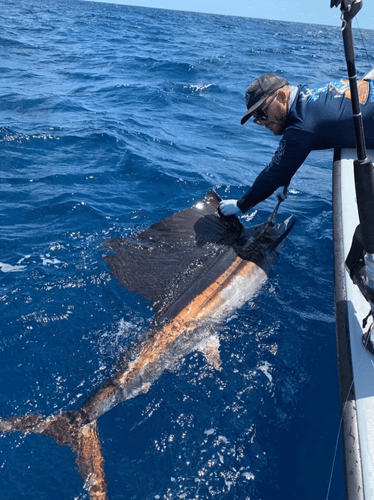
{"points": [[165, 260]]}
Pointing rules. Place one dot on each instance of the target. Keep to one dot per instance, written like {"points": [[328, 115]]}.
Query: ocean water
{"points": [[111, 118]]}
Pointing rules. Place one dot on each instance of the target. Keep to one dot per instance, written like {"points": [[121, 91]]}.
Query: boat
{"points": [[355, 363], [353, 228]]}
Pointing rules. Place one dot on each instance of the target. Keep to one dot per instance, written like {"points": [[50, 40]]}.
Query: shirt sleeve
{"points": [[292, 151]]}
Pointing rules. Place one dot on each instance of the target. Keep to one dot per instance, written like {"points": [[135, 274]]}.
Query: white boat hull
{"points": [[356, 365]]}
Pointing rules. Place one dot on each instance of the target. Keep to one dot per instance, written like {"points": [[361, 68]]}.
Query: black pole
{"points": [[363, 165], [351, 67]]}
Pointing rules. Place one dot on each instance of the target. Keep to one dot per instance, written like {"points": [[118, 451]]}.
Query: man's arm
{"points": [[292, 151]]}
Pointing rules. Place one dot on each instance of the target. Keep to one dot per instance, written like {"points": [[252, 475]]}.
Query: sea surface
{"points": [[112, 118]]}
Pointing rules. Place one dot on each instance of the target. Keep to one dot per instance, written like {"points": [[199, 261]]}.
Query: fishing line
{"points": [[335, 453], [364, 45], [344, 24]]}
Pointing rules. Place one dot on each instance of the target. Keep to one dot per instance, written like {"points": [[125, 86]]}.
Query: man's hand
{"points": [[281, 193], [229, 207]]}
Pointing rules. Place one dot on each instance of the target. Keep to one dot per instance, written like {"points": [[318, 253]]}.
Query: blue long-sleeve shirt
{"points": [[320, 117]]}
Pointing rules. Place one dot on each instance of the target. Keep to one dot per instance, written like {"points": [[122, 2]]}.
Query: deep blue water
{"points": [[111, 118]]}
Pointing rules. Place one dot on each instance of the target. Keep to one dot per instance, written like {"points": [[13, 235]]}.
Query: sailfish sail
{"points": [[176, 254]]}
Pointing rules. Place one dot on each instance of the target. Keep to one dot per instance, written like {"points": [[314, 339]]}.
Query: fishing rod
{"points": [[363, 164]]}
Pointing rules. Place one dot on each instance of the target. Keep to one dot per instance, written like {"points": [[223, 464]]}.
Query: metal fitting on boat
{"points": [[369, 264], [368, 340]]}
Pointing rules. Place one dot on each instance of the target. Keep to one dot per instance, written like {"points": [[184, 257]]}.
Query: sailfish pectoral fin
{"points": [[90, 461], [210, 349]]}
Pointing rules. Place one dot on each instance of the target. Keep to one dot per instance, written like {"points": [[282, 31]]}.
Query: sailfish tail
{"points": [[90, 461], [69, 428]]}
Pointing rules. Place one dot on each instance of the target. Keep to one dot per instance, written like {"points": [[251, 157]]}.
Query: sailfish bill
{"points": [[196, 267]]}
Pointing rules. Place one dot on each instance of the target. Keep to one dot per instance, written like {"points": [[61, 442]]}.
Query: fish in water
{"points": [[196, 267]]}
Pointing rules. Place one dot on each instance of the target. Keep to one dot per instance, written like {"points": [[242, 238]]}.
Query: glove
{"points": [[281, 193], [229, 207]]}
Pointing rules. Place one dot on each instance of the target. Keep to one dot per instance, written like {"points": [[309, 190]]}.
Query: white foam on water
{"points": [[7, 268]]}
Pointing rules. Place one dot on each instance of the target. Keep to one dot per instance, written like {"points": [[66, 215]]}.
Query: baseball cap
{"points": [[259, 90]]}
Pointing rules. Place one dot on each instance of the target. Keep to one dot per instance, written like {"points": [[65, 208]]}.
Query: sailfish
{"points": [[196, 266]]}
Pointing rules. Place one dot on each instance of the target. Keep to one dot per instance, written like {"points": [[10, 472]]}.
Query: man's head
{"points": [[266, 99]]}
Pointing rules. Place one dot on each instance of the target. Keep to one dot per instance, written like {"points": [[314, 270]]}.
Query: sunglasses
{"points": [[260, 116]]}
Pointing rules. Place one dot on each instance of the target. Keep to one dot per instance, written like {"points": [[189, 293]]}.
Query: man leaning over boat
{"points": [[308, 118]]}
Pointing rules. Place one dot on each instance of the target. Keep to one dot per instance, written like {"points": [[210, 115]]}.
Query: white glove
{"points": [[281, 193], [229, 207]]}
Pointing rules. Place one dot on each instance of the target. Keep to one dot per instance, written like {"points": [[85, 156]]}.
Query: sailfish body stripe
{"points": [[215, 301]]}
